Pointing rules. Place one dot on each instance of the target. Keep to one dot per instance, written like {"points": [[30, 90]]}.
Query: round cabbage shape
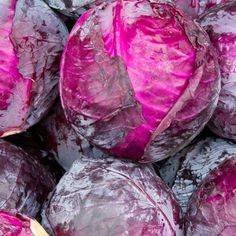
{"points": [[138, 79], [196, 7], [31, 42], [212, 209], [13, 223], [24, 182], [97, 197], [219, 22], [186, 170], [61, 140]]}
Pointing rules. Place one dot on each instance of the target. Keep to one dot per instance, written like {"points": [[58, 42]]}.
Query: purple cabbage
{"points": [[24, 182], [138, 79], [100, 197], [219, 22], [185, 171], [13, 223], [31, 41], [62, 141], [212, 209]]}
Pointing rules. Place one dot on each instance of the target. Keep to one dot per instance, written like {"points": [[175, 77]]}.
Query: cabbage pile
{"points": [[117, 117]]}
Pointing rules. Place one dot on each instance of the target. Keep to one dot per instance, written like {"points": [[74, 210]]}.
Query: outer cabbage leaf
{"points": [[219, 22], [138, 79], [73, 8], [191, 7], [97, 197], [24, 182], [13, 223], [185, 171], [62, 141], [196, 7], [31, 142], [212, 207], [31, 42]]}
